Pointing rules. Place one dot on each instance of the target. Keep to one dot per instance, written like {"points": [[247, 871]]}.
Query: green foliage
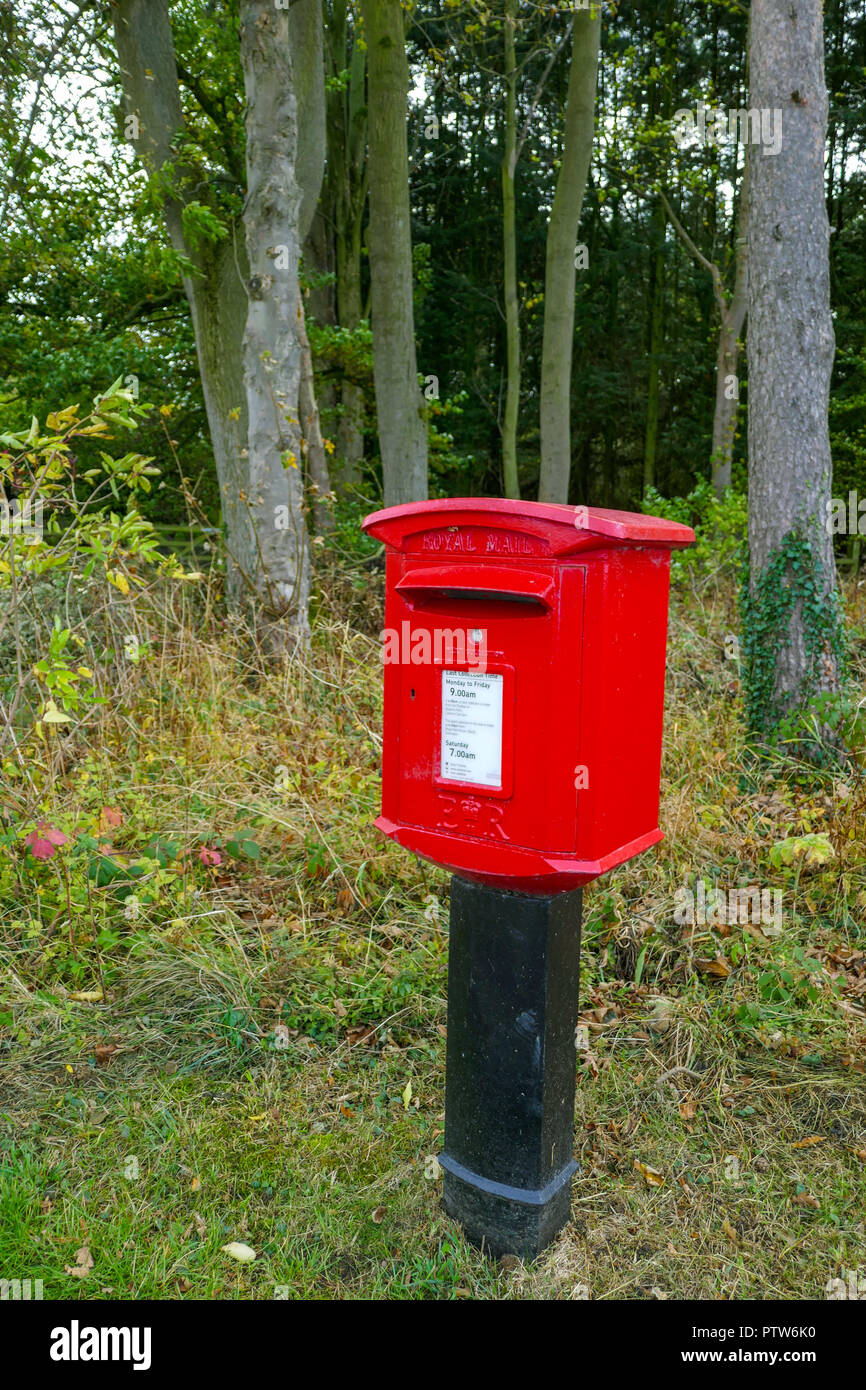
{"points": [[720, 526], [73, 537], [790, 980]]}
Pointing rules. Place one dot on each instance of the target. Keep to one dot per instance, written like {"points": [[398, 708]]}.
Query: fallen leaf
{"points": [[805, 1199], [688, 1108], [195, 1185], [87, 996], [83, 1264], [378, 1216], [651, 1176], [812, 1139], [718, 967], [245, 1254], [730, 1231]]}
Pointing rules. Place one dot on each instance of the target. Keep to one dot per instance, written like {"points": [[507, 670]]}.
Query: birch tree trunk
{"points": [[215, 289], [271, 349], [510, 478], [733, 317], [308, 68], [559, 273], [792, 631], [402, 429]]}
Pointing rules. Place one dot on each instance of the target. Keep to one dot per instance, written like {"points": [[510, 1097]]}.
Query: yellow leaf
{"points": [[84, 671], [812, 1139], [87, 996], [119, 581], [810, 851], [52, 715], [651, 1176], [407, 1095]]}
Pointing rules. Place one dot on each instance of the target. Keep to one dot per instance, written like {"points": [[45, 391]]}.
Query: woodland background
{"points": [[222, 994]]}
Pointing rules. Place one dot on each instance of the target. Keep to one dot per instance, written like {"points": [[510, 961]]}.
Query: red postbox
{"points": [[524, 653]]}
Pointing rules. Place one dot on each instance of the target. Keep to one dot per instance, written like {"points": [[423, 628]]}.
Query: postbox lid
{"points": [[564, 529]]}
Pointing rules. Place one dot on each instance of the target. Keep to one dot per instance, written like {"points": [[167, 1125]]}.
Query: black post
{"points": [[513, 977]]}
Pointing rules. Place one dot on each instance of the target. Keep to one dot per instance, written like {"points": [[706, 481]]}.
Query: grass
{"points": [[261, 1058]]}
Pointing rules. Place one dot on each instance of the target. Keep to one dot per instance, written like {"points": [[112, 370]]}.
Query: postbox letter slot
{"points": [[480, 584]]}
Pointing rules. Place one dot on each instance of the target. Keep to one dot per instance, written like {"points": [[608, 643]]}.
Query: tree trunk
{"points": [[654, 347], [402, 429], [510, 478], [308, 68], [733, 316], [560, 267], [347, 147], [792, 630], [318, 477], [320, 303], [215, 289], [271, 351]]}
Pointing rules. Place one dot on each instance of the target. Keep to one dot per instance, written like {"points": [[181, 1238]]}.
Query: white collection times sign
{"points": [[472, 728]]}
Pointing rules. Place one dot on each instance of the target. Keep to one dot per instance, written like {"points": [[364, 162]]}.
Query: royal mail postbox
{"points": [[524, 652]]}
